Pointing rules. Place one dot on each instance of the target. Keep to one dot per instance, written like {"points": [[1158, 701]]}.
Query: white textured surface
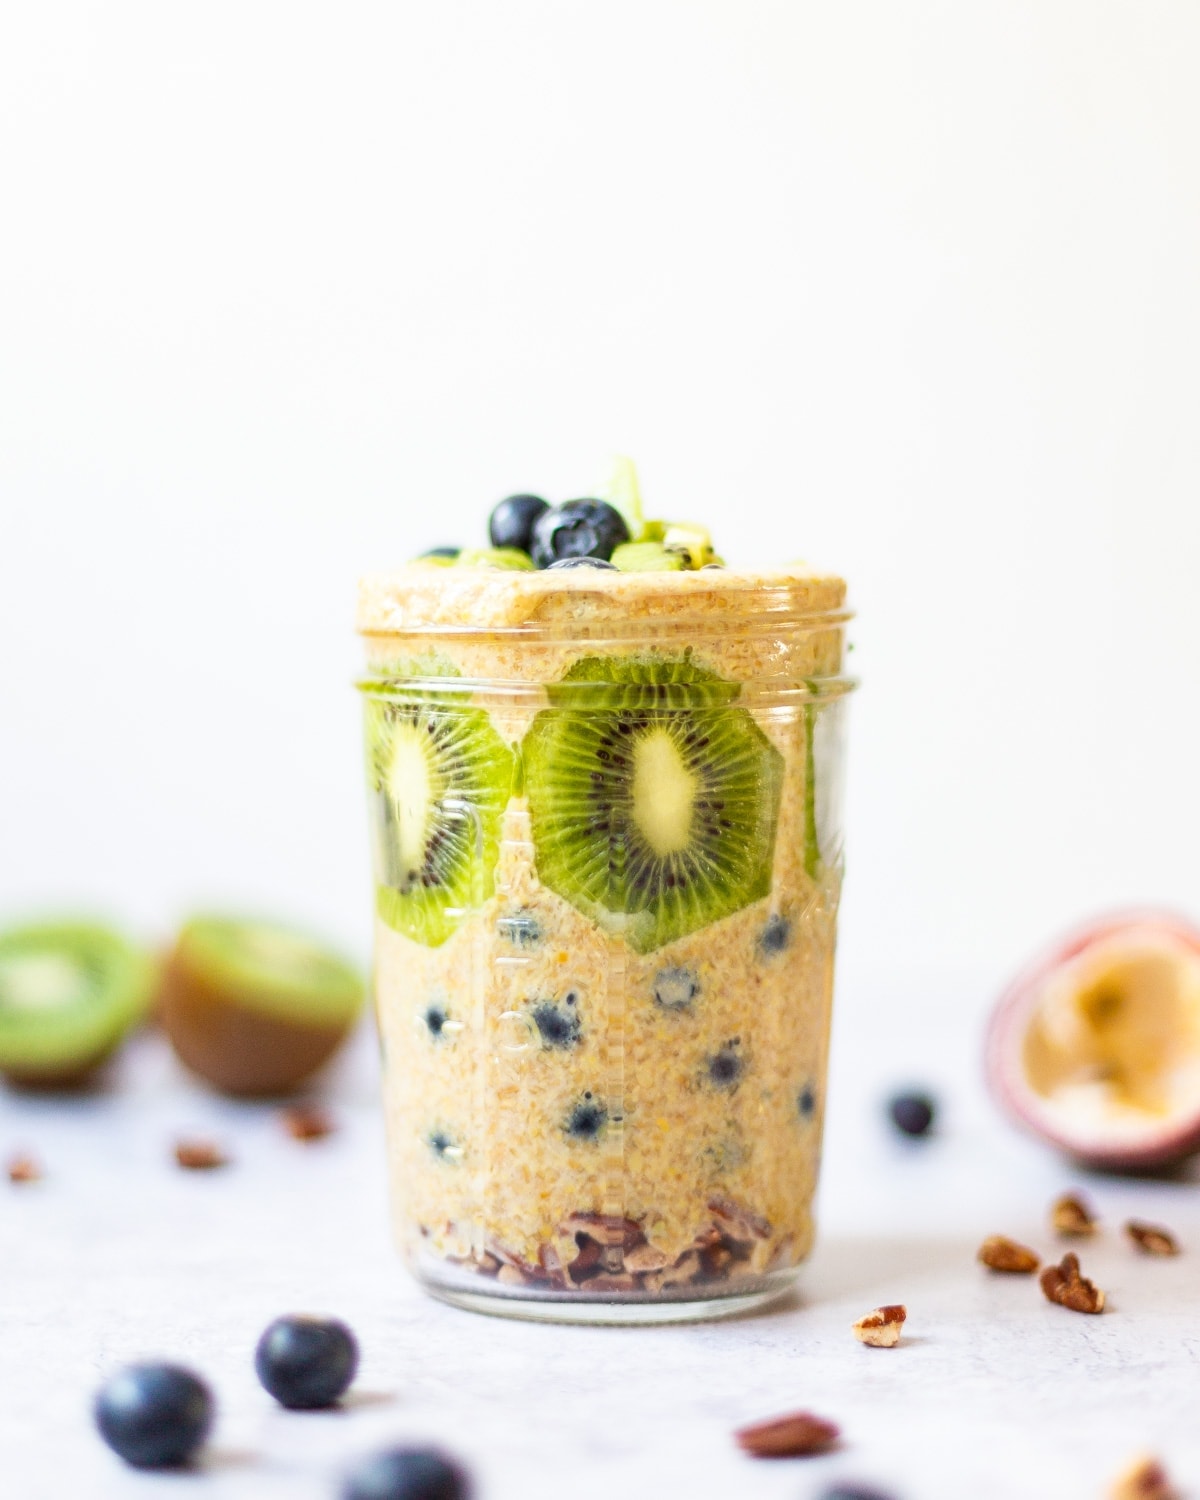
{"points": [[993, 1392]]}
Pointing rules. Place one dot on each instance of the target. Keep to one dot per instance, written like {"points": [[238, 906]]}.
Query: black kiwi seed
{"points": [[653, 798], [440, 776]]}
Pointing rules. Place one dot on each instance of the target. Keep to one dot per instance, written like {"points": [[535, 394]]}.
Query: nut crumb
{"points": [[24, 1168], [199, 1156], [1065, 1285], [998, 1253], [881, 1328], [1151, 1239], [794, 1436], [1144, 1479], [1072, 1216], [308, 1122]]}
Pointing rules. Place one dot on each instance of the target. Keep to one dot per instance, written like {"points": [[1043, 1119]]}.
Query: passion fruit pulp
{"points": [[1095, 1047]]}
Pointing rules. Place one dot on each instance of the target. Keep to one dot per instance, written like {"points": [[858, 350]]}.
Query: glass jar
{"points": [[605, 815]]}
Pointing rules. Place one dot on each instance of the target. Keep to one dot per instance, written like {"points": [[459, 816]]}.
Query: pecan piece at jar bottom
{"points": [[881, 1329], [794, 1436], [999, 1253], [1144, 1479], [1151, 1239], [1065, 1285], [1072, 1217]]}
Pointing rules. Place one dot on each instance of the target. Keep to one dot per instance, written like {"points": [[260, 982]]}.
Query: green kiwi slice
{"points": [[439, 777], [69, 994], [255, 1008], [653, 798]]}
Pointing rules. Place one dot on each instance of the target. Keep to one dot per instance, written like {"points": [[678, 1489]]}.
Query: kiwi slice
{"points": [[69, 993], [647, 557], [439, 776], [653, 798], [253, 1007]]}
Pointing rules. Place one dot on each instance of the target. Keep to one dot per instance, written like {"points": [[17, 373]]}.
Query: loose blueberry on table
{"points": [[912, 1114], [154, 1416], [306, 1362], [408, 1474]]}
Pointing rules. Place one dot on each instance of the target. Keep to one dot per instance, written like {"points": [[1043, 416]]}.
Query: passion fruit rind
{"points": [[1095, 1046]]}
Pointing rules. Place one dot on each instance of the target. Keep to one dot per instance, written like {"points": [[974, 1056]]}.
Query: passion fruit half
{"points": [[255, 1008], [1095, 1047]]}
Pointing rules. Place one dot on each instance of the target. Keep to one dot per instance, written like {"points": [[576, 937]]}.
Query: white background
{"points": [[289, 292]]}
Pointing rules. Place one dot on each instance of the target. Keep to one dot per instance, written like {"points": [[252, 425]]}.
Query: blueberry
{"points": [[441, 1144], [511, 523], [558, 1027], [725, 1067], [154, 1416], [450, 552], [407, 1474], [520, 928], [912, 1114], [775, 935], [806, 1102], [435, 1019], [584, 562], [587, 1119], [306, 1362], [675, 988], [579, 528], [852, 1492]]}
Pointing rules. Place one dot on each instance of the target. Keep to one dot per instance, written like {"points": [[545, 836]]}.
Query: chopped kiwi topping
{"points": [[440, 777], [653, 798]]}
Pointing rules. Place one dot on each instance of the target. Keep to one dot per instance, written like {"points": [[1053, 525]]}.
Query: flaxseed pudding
{"points": [[604, 778]]}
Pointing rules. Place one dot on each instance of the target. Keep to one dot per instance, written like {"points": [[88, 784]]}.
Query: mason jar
{"points": [[605, 817]]}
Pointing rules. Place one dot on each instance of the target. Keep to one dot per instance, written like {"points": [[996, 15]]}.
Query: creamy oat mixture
{"points": [[566, 1114]]}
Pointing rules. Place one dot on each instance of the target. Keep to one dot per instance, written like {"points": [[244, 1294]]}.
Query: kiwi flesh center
{"points": [[411, 790], [664, 793], [42, 982]]}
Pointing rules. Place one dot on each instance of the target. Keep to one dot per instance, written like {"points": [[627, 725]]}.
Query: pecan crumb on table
{"points": [[1144, 1479], [999, 1253], [1072, 1216], [881, 1328], [1065, 1285], [1151, 1239], [24, 1168], [794, 1436], [199, 1156], [308, 1122]]}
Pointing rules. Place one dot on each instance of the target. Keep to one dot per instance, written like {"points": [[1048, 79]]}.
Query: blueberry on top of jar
{"points": [[587, 1119], [558, 1025], [725, 1067], [577, 528], [511, 522]]}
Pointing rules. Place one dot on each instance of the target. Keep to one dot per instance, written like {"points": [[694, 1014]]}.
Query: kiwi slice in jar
{"points": [[653, 797], [255, 1008], [440, 776], [69, 994]]}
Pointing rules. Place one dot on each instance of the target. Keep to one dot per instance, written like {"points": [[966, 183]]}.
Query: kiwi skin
{"points": [[242, 1048]]}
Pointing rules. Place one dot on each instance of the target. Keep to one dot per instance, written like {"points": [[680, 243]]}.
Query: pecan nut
{"points": [[1144, 1479], [1065, 1285], [1152, 1239], [199, 1156], [794, 1436], [307, 1122], [1072, 1216], [998, 1253], [881, 1328]]}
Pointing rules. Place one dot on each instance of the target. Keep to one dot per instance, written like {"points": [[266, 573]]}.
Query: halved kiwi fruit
{"points": [[440, 777], [253, 1007], [653, 798], [69, 994]]}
